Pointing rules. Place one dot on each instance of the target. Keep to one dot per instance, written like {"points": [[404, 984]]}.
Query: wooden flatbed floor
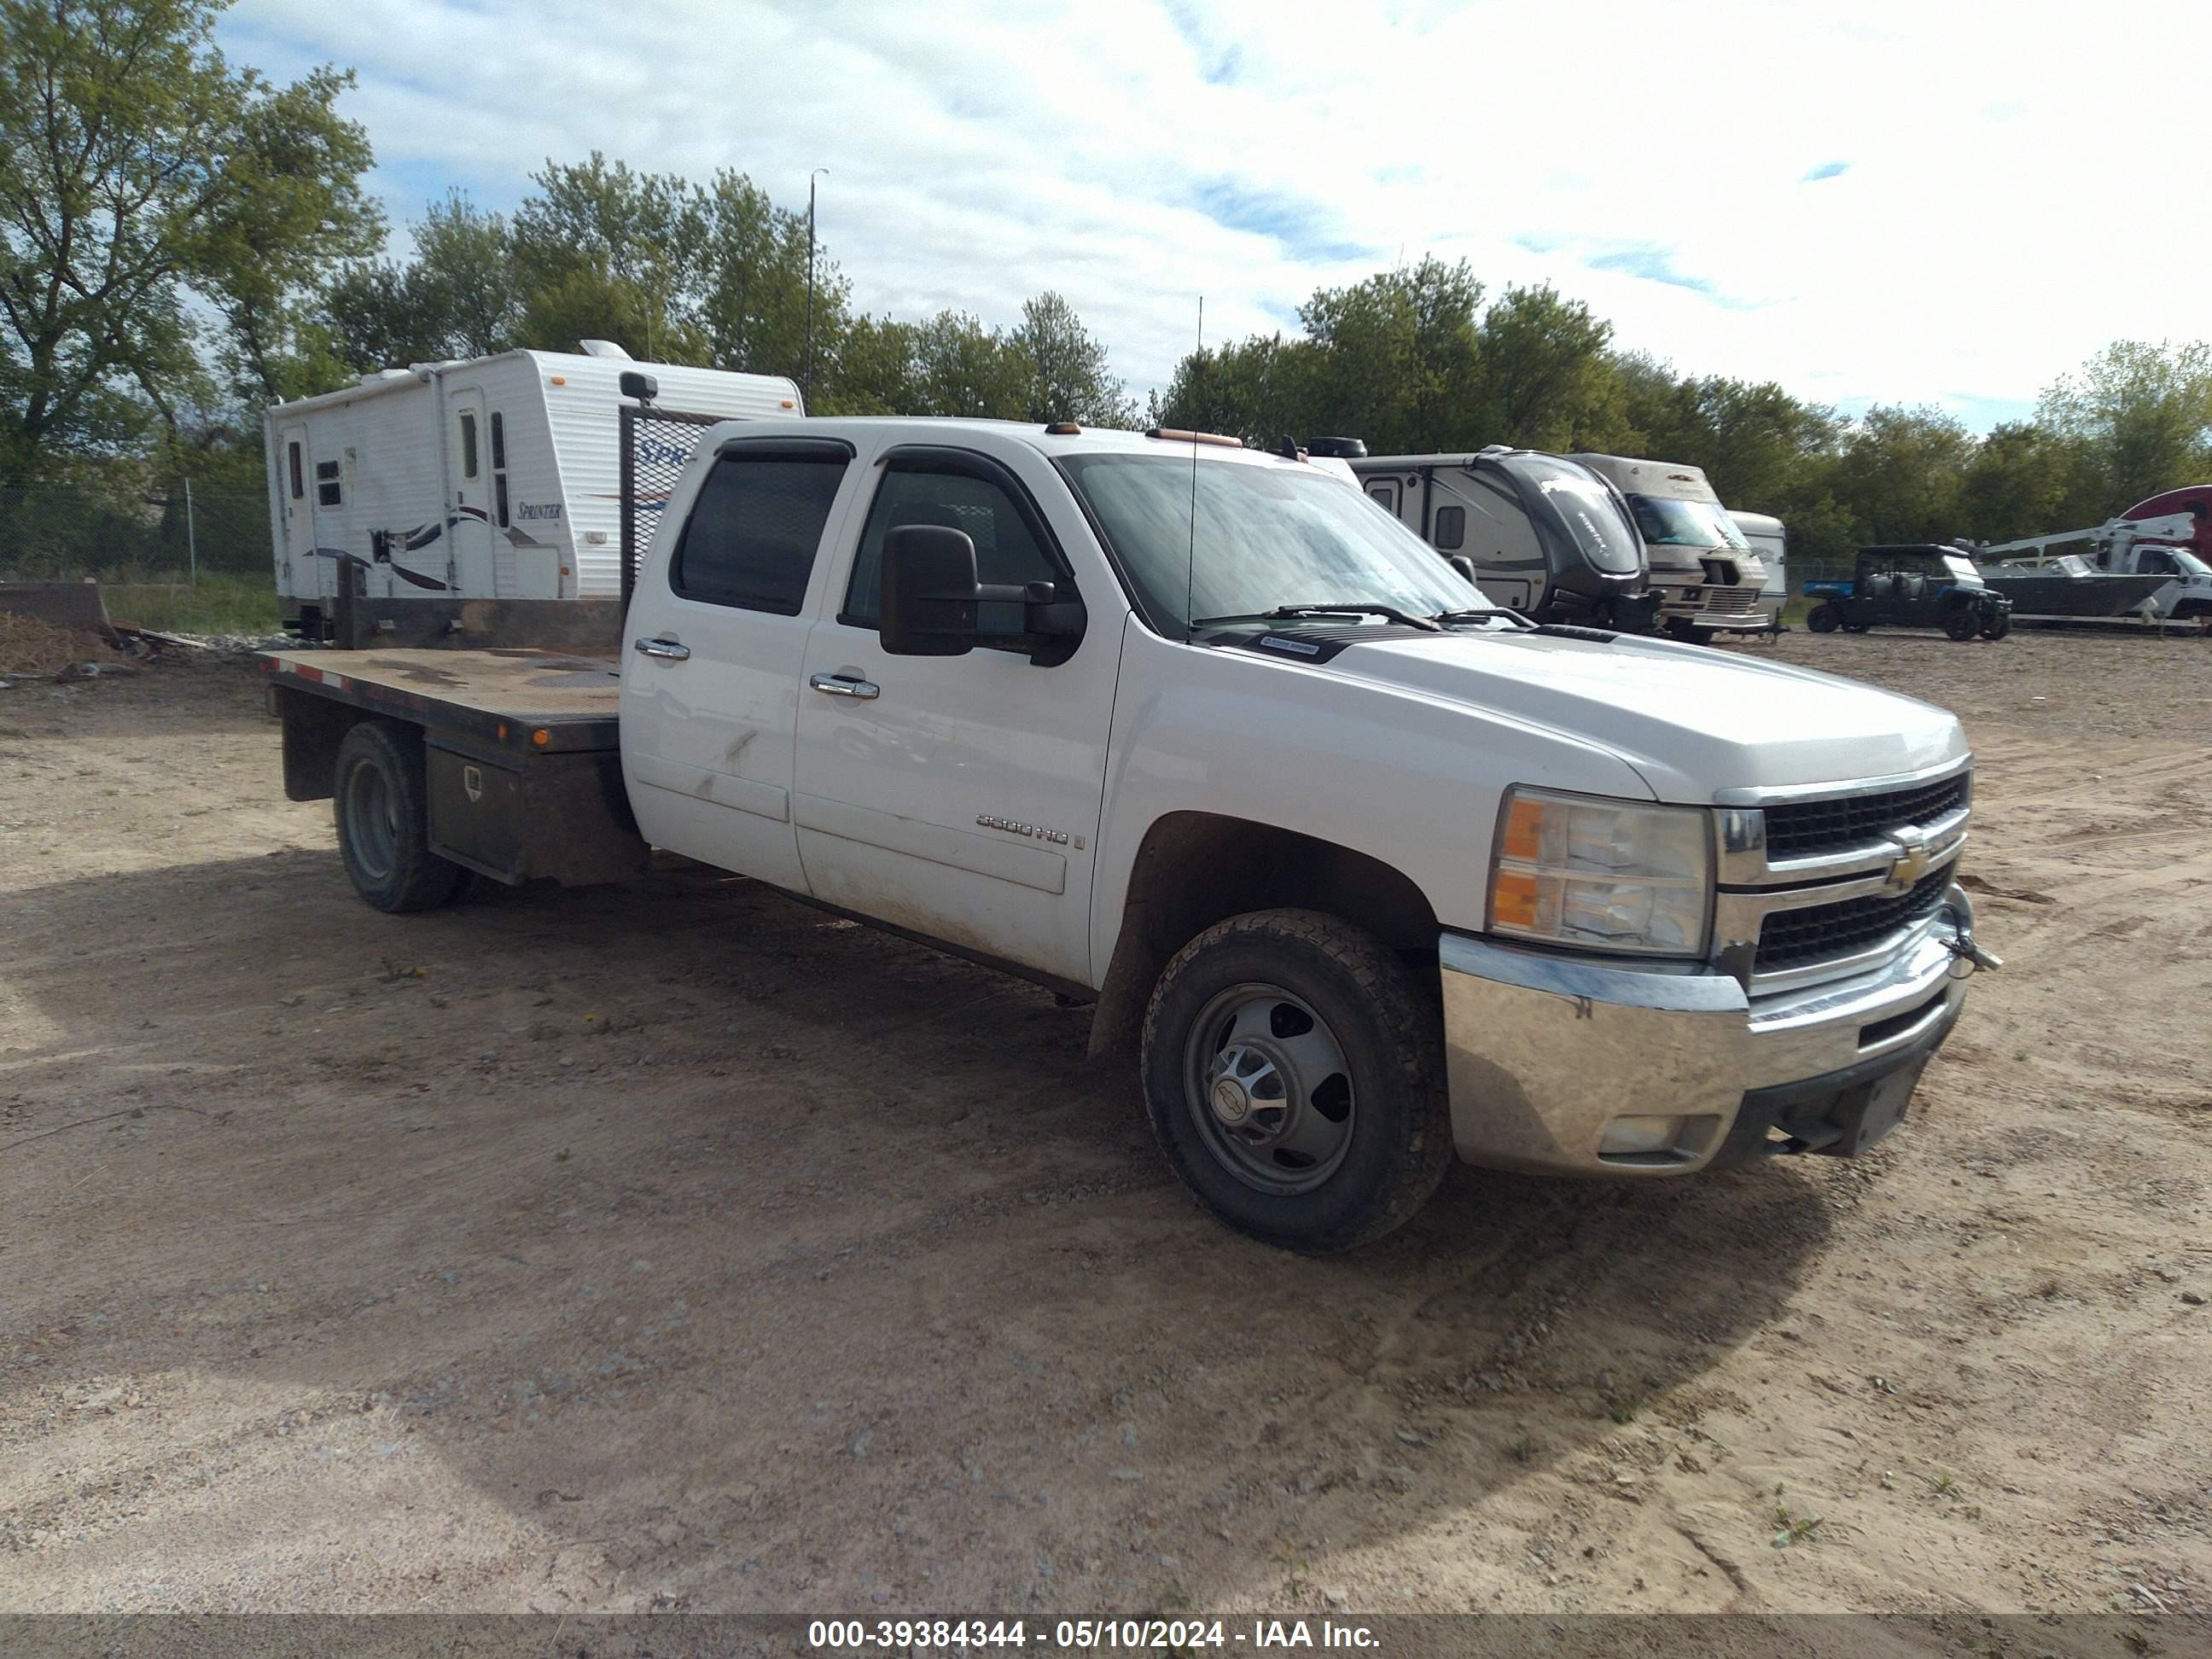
{"points": [[505, 696]]}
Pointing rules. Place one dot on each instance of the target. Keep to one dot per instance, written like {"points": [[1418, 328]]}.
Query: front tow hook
{"points": [[1971, 956]]}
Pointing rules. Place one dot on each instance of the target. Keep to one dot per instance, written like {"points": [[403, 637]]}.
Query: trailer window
{"points": [[754, 530], [327, 492], [1451, 528], [468, 444], [298, 485], [498, 441]]}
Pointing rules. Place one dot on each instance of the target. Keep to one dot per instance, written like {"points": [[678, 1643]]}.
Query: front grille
{"points": [[1819, 826], [1790, 938]]}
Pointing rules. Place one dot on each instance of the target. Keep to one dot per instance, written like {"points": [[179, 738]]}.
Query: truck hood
{"points": [[1692, 721]]}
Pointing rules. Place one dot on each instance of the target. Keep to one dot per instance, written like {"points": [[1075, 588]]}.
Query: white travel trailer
{"points": [[1770, 539], [1536, 532], [494, 478], [1709, 578]]}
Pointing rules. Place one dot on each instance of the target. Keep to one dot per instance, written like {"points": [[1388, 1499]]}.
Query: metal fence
{"points": [[656, 446], [115, 529]]}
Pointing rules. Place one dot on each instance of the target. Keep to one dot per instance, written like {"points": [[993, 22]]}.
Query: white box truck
{"points": [[494, 478], [1708, 578]]}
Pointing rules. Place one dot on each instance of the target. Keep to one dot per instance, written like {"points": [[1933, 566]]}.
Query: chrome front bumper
{"points": [[1547, 1051]]}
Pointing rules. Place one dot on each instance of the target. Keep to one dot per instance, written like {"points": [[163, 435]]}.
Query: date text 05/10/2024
{"points": [[1084, 1635]]}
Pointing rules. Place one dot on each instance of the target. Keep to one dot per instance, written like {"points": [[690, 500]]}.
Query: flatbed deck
{"points": [[503, 697]]}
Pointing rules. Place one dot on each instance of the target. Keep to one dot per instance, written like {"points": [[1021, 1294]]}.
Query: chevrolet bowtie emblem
{"points": [[1911, 862]]}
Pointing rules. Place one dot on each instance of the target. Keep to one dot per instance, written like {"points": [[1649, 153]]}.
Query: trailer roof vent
{"points": [[379, 376], [1338, 449], [604, 348]]}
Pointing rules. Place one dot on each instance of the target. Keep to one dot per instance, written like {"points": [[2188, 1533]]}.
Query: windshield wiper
{"points": [[1488, 613], [1388, 612]]}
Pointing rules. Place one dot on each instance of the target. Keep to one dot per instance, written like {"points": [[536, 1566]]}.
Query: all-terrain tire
{"points": [[1998, 628], [1388, 1029], [1825, 619], [1962, 625], [381, 803]]}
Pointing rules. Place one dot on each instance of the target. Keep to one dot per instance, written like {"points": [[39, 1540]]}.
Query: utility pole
{"points": [[810, 178], [191, 536]]}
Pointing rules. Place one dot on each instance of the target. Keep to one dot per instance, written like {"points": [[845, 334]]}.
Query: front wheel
{"points": [[1999, 626], [381, 803], [1825, 619], [1294, 1073], [1962, 625]]}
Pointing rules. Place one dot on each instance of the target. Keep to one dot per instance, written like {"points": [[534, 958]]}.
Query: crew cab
{"points": [[1362, 870]]}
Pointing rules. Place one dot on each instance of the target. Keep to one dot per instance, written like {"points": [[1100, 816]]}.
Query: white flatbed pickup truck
{"points": [[1363, 869]]}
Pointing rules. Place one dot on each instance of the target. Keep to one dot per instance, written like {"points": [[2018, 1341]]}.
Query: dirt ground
{"points": [[686, 1248]]}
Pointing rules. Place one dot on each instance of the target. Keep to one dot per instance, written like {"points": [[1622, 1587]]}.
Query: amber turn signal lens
{"points": [[1513, 900], [1524, 830]]}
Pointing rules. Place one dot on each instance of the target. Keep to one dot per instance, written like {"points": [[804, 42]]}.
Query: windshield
{"points": [[2190, 564], [1580, 508], [1963, 568], [1268, 536], [1685, 524]]}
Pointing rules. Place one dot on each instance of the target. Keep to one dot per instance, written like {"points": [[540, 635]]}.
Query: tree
{"points": [[875, 372], [140, 174], [1070, 378], [460, 296], [1398, 356], [713, 275], [2027, 480], [1543, 379], [2143, 414], [962, 367], [1900, 472], [1261, 389]]}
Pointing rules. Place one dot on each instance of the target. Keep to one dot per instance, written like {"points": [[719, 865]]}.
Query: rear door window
{"points": [[754, 532]]}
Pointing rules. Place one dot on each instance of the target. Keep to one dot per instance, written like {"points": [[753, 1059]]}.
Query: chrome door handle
{"points": [[844, 685], [668, 648]]}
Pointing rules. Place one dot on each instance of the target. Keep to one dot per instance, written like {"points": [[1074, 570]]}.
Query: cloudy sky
{"points": [[1935, 202]]}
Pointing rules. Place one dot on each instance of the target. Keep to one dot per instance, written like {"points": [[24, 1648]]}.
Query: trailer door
{"points": [[468, 447], [311, 577]]}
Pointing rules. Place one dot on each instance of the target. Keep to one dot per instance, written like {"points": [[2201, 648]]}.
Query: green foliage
{"points": [[1069, 378], [182, 241], [2142, 415], [139, 173], [1903, 469], [1542, 378]]}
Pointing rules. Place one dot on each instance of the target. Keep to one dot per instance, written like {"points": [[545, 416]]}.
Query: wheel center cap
{"points": [[1231, 1104]]}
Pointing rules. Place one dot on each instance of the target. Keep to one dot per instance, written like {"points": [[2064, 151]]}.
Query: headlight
{"points": [[1602, 875]]}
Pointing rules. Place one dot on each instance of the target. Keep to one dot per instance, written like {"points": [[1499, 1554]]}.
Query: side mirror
{"points": [[1463, 564], [638, 385], [929, 592]]}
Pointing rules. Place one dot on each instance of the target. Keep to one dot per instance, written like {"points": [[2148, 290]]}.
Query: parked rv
{"points": [[1709, 579], [1769, 538], [1539, 535], [492, 478]]}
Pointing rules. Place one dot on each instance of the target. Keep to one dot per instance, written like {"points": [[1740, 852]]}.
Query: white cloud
{"points": [[2007, 186]]}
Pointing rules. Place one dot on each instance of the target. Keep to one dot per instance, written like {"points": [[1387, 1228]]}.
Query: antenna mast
{"points": [[1190, 567]]}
